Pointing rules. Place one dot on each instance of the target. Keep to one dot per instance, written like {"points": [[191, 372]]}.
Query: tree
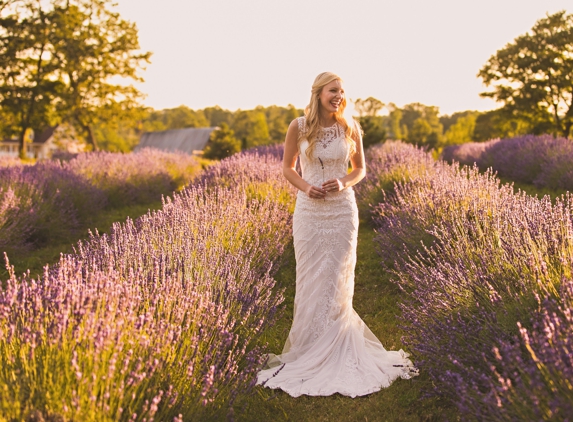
{"points": [[251, 128], [534, 73], [462, 131], [178, 118], [222, 144], [423, 125], [374, 131], [278, 119], [92, 45], [395, 129], [369, 107], [507, 122], [27, 91], [372, 124], [57, 59], [217, 116]]}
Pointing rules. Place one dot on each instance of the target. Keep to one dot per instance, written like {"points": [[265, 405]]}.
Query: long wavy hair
{"points": [[312, 113]]}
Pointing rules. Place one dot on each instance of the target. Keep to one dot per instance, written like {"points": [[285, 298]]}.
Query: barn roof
{"points": [[186, 140], [44, 136]]}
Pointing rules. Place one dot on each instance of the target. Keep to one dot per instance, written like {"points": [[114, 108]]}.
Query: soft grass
{"points": [[376, 300], [36, 260]]}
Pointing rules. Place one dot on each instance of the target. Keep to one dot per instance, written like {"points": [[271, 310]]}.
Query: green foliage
{"points": [[27, 91], [251, 128], [278, 120], [462, 130], [57, 60], [507, 122], [532, 75], [176, 118], [448, 121], [374, 131], [372, 124], [423, 123], [222, 144], [369, 107], [217, 116], [396, 131]]}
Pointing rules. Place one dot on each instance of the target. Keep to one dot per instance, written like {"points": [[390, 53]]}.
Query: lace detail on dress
{"points": [[326, 135], [329, 134], [329, 348]]}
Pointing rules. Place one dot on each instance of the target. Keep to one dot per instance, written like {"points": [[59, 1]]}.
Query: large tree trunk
{"points": [[91, 137], [568, 133], [22, 144]]}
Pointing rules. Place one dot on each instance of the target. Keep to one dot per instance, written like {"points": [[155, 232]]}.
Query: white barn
{"points": [[54, 138]]}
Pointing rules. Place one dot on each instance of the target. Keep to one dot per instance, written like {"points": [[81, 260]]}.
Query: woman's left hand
{"points": [[332, 185]]}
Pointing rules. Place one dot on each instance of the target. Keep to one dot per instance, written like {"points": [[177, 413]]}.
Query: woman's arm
{"points": [[289, 163], [358, 168]]}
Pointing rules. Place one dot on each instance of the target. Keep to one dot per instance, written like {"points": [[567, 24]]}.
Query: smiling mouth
{"points": [[335, 104]]}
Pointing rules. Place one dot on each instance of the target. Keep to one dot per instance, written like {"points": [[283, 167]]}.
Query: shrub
{"points": [[471, 290], [156, 320], [543, 161], [139, 177], [43, 203]]}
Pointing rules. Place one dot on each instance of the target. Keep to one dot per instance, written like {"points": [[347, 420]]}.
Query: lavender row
{"points": [[51, 200], [544, 161], [486, 276], [159, 319]]}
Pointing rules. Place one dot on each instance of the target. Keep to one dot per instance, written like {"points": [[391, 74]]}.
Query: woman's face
{"points": [[331, 96]]}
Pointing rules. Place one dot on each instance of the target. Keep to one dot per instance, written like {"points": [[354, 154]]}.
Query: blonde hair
{"points": [[312, 114]]}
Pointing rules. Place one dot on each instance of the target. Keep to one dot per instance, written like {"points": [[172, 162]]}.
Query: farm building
{"points": [[189, 140], [54, 138]]}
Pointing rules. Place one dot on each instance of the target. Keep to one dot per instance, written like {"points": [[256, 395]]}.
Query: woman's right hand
{"points": [[315, 192]]}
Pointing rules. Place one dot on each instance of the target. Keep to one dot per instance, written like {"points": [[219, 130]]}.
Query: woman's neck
{"points": [[326, 119]]}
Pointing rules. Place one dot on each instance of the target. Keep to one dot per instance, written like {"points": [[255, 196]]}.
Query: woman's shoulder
{"points": [[299, 124]]}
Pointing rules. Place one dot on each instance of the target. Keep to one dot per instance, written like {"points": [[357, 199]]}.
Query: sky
{"points": [[242, 53]]}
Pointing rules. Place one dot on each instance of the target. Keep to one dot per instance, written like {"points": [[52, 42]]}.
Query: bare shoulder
{"points": [[295, 126], [357, 132]]}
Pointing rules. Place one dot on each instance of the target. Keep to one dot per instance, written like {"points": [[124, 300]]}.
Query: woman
{"points": [[329, 348]]}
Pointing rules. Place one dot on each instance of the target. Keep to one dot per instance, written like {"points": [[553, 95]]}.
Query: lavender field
{"points": [[544, 161], [164, 318], [486, 276], [52, 200], [93, 338]]}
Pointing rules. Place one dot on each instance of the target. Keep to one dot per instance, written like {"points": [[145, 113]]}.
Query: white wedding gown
{"points": [[329, 348]]}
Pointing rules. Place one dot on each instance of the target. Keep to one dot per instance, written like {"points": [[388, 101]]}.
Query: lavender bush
{"points": [[544, 161], [257, 172], [41, 203], [390, 162], [51, 200], [139, 177], [157, 320], [489, 254], [468, 154]]}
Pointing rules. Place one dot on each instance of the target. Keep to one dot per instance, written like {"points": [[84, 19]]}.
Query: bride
{"points": [[329, 348]]}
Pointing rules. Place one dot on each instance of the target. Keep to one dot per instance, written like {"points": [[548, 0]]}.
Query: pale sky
{"points": [[244, 53]]}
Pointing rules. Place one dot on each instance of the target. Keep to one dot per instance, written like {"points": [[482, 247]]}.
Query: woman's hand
{"points": [[333, 185], [315, 192]]}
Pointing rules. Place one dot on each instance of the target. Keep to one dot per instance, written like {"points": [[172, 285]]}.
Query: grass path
{"points": [[376, 301]]}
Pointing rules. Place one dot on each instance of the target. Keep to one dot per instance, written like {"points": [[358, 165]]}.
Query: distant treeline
{"points": [[259, 126], [414, 123], [423, 125]]}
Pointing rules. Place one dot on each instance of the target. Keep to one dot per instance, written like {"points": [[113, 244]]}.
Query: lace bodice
{"points": [[330, 156]]}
